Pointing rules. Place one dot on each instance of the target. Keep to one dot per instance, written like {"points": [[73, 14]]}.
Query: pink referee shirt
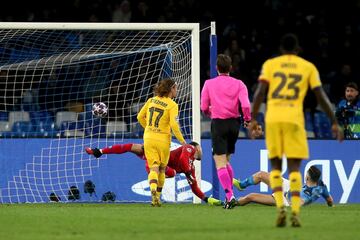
{"points": [[221, 96]]}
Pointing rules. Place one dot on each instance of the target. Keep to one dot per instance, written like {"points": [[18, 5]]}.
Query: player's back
{"points": [[158, 118], [181, 158], [224, 92], [289, 77]]}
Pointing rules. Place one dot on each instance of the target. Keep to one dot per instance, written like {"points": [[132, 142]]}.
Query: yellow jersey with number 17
{"points": [[289, 77], [158, 117]]}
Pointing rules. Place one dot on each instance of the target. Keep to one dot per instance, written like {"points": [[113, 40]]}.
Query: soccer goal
{"points": [[51, 74]]}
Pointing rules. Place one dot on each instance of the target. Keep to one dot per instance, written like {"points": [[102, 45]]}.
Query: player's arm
{"points": [[141, 117], [245, 103], [205, 101], [326, 195], [175, 125], [190, 176], [186, 154]]}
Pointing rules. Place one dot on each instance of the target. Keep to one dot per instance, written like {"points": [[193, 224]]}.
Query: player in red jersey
{"points": [[181, 161]]}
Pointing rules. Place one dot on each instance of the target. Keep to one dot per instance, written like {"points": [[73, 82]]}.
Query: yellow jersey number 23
{"points": [[290, 82]]}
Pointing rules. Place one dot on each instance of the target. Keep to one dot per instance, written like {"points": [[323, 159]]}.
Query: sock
{"points": [[247, 182], [226, 182], [153, 180], [118, 148], [161, 183], [295, 188], [276, 185], [230, 171]]}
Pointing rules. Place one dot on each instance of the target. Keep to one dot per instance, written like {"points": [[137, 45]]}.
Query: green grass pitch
{"points": [[172, 221]]}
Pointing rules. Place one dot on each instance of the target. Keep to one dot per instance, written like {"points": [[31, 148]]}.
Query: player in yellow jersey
{"points": [[158, 117], [287, 78]]}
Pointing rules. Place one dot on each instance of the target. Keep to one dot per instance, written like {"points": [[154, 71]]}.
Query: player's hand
{"points": [[338, 132], [214, 202], [246, 124], [94, 151]]}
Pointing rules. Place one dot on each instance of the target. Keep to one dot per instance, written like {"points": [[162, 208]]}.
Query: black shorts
{"points": [[224, 134]]}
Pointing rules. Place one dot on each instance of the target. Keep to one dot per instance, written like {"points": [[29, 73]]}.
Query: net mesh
{"points": [[49, 81]]}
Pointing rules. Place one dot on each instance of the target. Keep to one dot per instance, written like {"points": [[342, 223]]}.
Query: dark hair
{"points": [[352, 85], [223, 63], [289, 43], [163, 88], [314, 173], [195, 144]]}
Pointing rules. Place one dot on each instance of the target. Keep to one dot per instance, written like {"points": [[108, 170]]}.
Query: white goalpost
{"points": [[50, 76]]}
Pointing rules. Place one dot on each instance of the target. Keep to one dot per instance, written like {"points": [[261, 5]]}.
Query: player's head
{"points": [[351, 91], [289, 43], [198, 154], [166, 88], [223, 63], [313, 174]]}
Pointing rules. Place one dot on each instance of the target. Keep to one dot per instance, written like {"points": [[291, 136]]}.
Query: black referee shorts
{"points": [[224, 134]]}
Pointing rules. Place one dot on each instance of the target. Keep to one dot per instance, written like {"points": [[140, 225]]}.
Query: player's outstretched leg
{"points": [[237, 184], [94, 151], [281, 218], [255, 179]]}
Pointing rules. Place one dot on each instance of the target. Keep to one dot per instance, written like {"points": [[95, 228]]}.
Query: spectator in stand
{"points": [[348, 111], [122, 12]]}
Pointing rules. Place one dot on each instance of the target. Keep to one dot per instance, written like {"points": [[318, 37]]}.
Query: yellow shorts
{"points": [[286, 138], [157, 153]]}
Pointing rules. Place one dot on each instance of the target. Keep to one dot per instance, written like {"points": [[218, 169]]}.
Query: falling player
{"points": [[181, 161], [313, 189]]}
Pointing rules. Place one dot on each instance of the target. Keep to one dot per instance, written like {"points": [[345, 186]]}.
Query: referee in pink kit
{"points": [[221, 98]]}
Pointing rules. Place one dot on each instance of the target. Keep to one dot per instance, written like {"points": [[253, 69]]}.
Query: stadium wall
{"points": [[125, 174]]}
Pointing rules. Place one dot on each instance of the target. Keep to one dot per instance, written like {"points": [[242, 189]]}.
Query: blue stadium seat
{"points": [[322, 126], [137, 130], [206, 134], [309, 126], [41, 116], [72, 129], [260, 118], [95, 128], [4, 116], [22, 129], [46, 128]]}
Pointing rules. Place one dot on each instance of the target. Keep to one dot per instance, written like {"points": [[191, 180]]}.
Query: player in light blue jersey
{"points": [[313, 189]]}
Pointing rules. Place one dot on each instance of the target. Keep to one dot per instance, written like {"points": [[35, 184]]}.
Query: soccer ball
{"points": [[100, 109]]}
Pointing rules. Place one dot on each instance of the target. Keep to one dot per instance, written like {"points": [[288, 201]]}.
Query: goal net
{"points": [[51, 74]]}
